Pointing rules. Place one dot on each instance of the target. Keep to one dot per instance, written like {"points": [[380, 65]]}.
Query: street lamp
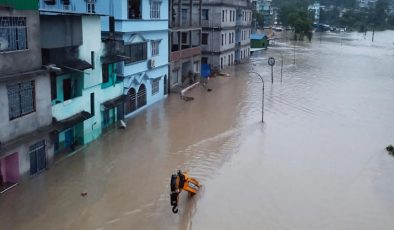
{"points": [[262, 104]]}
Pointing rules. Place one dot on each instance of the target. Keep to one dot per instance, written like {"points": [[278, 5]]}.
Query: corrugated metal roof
{"points": [[257, 36]]}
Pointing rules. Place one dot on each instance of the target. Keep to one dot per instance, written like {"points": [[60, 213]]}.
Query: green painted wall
{"points": [[263, 43], [21, 4]]}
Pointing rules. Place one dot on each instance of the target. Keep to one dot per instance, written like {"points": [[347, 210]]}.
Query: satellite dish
{"points": [[3, 44]]}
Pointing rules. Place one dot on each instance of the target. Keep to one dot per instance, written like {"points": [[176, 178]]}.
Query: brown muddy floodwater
{"points": [[318, 161]]}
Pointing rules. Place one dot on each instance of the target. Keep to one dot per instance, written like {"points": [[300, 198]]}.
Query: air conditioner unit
{"points": [[151, 63]]}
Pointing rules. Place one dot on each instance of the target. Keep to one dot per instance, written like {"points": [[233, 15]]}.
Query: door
{"points": [[165, 85], [66, 89], [37, 157], [69, 138]]}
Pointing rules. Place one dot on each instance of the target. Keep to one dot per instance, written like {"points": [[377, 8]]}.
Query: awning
{"points": [[113, 59], [73, 65], [62, 125], [114, 102]]}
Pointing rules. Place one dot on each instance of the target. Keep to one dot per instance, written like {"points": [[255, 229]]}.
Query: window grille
{"points": [[136, 52], [155, 9], [13, 33], [91, 7], [155, 86], [155, 48], [21, 99]]}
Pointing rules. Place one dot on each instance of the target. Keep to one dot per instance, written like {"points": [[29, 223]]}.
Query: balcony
{"points": [[133, 25], [68, 108], [186, 53]]}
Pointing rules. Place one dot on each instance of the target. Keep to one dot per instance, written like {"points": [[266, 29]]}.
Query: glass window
{"points": [[136, 52], [204, 14], [204, 39], [13, 34], [155, 86], [155, 48], [21, 99], [155, 9]]}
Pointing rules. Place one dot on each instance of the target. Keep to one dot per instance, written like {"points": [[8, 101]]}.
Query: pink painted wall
{"points": [[9, 167]]}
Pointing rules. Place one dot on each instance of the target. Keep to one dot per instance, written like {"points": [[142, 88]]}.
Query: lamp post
{"points": [[262, 102]]}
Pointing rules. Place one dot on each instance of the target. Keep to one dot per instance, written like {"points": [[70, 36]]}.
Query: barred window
{"points": [[136, 52], [155, 86], [155, 9], [21, 99], [155, 48], [13, 33]]}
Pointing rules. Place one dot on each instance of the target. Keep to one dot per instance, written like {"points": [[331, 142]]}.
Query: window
{"points": [[105, 73], [136, 52], [90, 6], [223, 16], [229, 38], [204, 14], [204, 39], [184, 15], [204, 60], [184, 37], [222, 39], [155, 86], [155, 9], [37, 157], [134, 9], [21, 99], [155, 48], [13, 34], [131, 101]]}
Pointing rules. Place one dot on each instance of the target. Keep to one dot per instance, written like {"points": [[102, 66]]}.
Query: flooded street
{"points": [[317, 162]]}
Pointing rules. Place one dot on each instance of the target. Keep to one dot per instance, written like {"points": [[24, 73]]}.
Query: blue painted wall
{"points": [[147, 30]]}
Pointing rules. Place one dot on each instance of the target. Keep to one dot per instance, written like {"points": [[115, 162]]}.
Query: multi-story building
{"points": [[142, 27], [26, 117], [226, 32], [85, 91], [185, 41]]}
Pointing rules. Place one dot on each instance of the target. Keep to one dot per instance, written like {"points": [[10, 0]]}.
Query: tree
{"points": [[258, 18], [378, 15], [301, 23]]}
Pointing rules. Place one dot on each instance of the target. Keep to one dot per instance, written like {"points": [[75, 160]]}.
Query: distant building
{"points": [[226, 32], [366, 3], [315, 8], [185, 41], [26, 116]]}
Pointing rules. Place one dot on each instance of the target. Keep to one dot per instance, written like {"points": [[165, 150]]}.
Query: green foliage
{"points": [[390, 149], [378, 15], [301, 23], [295, 13], [354, 19], [258, 17]]}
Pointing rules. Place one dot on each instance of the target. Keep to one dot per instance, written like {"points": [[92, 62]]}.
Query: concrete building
{"points": [[315, 8], [85, 91], [226, 32], [185, 41], [142, 26], [26, 117]]}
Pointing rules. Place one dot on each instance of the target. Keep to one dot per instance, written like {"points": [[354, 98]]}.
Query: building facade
{"points": [[185, 42], [142, 27], [85, 91], [226, 30], [26, 115]]}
